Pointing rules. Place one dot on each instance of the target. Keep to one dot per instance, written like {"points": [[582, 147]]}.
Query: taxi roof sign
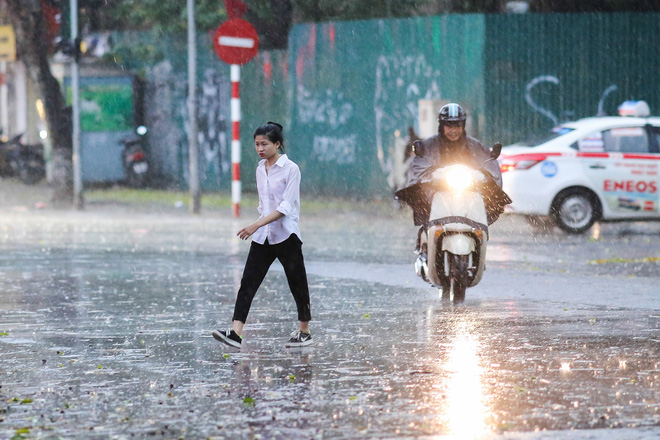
{"points": [[637, 109], [7, 43]]}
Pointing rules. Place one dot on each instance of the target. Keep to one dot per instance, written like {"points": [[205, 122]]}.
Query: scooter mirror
{"points": [[418, 148], [495, 152]]}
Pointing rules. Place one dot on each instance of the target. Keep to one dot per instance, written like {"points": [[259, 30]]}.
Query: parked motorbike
{"points": [[134, 159], [26, 162], [451, 246]]}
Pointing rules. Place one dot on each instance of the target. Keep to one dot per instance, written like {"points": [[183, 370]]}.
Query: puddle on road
{"points": [[97, 343]]}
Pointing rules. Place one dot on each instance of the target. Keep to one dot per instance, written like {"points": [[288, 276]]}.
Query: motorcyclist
{"points": [[450, 146]]}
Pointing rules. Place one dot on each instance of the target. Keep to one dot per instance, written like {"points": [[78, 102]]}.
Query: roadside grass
{"points": [[165, 200], [151, 198], [15, 195]]}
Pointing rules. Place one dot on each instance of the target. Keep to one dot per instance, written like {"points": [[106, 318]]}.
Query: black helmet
{"points": [[452, 113]]}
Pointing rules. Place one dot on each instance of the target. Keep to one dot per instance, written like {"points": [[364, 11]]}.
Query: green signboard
{"points": [[106, 104]]}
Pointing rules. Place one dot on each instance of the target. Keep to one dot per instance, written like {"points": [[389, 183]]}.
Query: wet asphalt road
{"points": [[105, 321]]}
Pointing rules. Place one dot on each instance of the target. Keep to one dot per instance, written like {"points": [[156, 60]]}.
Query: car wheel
{"points": [[575, 210]]}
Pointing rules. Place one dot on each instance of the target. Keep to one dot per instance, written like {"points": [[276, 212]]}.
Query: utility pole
{"points": [[195, 194], [78, 200]]}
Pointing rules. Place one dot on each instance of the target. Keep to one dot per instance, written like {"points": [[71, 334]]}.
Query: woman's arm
{"points": [[247, 231], [290, 197], [291, 194]]}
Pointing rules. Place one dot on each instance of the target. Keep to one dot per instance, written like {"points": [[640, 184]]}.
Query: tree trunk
{"points": [[274, 33], [32, 46]]}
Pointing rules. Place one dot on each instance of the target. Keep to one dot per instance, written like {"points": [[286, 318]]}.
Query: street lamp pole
{"points": [[193, 156]]}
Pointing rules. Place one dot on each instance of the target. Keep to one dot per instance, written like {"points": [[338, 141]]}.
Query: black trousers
{"points": [[259, 260]]}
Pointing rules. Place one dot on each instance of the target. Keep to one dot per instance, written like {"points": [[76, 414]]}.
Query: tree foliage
{"points": [[365, 9], [274, 18], [594, 5], [167, 15]]}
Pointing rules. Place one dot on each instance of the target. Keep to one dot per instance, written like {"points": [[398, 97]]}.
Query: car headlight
{"points": [[459, 177]]}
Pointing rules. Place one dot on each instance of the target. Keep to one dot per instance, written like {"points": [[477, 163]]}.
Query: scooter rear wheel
{"points": [[135, 179], [31, 169]]}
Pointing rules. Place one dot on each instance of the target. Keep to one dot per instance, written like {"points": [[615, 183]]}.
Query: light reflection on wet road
{"points": [[461, 401], [105, 325]]}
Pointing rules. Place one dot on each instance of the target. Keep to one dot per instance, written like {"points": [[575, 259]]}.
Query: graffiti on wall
{"points": [[401, 81], [340, 150], [212, 127], [603, 97], [537, 107], [168, 120], [330, 110], [213, 121], [326, 107], [565, 115]]}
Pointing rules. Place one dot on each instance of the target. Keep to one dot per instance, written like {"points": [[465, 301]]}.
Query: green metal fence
{"points": [[574, 59], [357, 83], [344, 90], [518, 74]]}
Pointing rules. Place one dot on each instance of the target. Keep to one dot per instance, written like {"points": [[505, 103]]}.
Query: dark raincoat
{"points": [[439, 151]]}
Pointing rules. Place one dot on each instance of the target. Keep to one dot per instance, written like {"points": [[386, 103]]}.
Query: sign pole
{"points": [[235, 73], [236, 42]]}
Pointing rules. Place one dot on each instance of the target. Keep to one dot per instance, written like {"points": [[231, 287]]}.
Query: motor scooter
{"points": [[134, 159], [26, 162], [451, 246]]}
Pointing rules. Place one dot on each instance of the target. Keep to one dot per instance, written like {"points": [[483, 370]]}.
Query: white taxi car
{"points": [[593, 169]]}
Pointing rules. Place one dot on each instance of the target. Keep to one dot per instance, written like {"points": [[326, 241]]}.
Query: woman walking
{"points": [[274, 235]]}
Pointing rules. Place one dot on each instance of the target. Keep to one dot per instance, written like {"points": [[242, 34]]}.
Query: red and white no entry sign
{"points": [[236, 41]]}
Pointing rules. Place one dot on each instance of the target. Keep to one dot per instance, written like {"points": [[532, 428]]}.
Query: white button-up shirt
{"points": [[279, 189]]}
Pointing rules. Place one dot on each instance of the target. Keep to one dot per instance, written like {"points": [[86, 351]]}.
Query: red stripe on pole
{"points": [[236, 140]]}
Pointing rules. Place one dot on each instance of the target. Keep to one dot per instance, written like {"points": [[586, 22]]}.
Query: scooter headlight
{"points": [[459, 178]]}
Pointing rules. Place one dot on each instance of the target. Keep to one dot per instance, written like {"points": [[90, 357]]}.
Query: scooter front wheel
{"points": [[458, 289], [445, 290], [454, 287]]}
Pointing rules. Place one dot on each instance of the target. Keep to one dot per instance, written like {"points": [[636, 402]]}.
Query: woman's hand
{"points": [[247, 231]]}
